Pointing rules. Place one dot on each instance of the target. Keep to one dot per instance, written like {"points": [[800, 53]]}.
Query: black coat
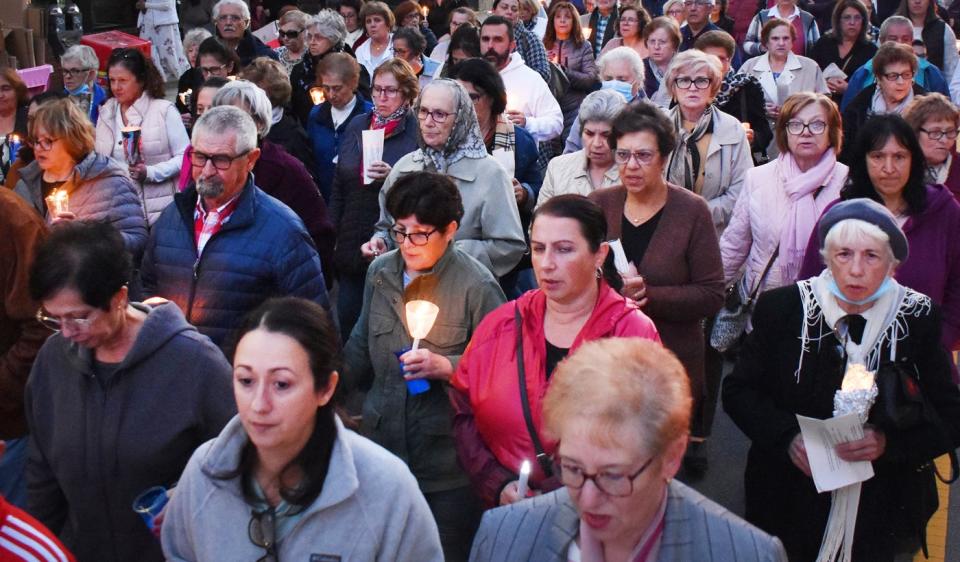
{"points": [[288, 133], [748, 106], [857, 113], [827, 50], [764, 394], [304, 76]]}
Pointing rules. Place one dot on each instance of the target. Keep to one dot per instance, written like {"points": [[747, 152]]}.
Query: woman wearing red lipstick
{"points": [[574, 304], [622, 437]]}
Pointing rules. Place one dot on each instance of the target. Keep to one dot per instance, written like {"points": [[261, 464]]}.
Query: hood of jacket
{"points": [[938, 197], [516, 61], [163, 323]]}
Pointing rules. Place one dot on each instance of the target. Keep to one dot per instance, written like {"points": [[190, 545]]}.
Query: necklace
{"points": [[637, 216]]}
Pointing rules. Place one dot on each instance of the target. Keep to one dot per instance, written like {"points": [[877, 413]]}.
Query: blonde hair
{"points": [[62, 119], [691, 61], [621, 383]]}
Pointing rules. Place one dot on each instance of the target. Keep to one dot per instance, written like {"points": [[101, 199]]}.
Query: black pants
{"points": [[457, 513]]}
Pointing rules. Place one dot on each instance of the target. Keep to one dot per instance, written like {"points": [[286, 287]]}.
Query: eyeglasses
{"points": [[45, 143], [659, 42], [229, 18], [56, 324], [415, 238], [699, 83], [897, 76], [610, 483], [71, 72], [675, 12], [263, 533], [292, 34], [387, 91], [220, 161], [937, 135], [401, 52], [796, 128], [643, 157], [438, 116], [212, 69]]}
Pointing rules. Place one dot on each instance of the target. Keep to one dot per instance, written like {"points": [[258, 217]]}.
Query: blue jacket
{"points": [[928, 77], [526, 169], [262, 251], [326, 140]]}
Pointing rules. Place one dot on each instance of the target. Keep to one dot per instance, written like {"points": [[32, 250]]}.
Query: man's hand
{"points": [[517, 117], [373, 248], [520, 193]]}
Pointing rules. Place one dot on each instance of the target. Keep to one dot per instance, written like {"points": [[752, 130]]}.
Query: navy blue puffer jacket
{"points": [[262, 251]]}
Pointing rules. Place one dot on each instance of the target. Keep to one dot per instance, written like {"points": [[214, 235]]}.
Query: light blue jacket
{"points": [[928, 77]]}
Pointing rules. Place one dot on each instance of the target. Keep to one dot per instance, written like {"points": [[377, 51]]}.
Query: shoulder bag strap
{"points": [[766, 270], [542, 459]]}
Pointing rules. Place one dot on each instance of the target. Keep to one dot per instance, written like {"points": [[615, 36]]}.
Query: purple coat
{"points": [[281, 175], [953, 177], [933, 267]]}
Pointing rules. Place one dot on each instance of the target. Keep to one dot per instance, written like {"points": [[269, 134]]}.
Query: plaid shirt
{"points": [[207, 223], [531, 49]]}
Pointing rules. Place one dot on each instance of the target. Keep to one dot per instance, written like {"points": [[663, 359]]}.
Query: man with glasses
{"points": [[79, 66], [224, 246], [232, 18], [698, 22]]}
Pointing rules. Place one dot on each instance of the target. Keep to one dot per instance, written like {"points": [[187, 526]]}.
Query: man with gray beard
{"points": [[224, 246]]}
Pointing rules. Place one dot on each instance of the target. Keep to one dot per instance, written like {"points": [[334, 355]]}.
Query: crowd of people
{"points": [[398, 285]]}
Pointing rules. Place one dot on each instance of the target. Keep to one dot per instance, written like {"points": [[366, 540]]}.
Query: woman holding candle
{"points": [[136, 102], [567, 48], [805, 336], [619, 411], [427, 266], [354, 204], [213, 60], [410, 14], [118, 399], [781, 72], [96, 187], [285, 480], [13, 117], [497, 427]]}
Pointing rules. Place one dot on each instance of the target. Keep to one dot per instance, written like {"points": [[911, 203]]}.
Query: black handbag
{"points": [[546, 464], [731, 321]]}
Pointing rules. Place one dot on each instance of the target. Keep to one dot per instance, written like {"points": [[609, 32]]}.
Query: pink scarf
{"points": [[803, 213]]}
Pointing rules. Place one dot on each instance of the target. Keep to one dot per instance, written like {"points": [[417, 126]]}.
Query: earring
{"points": [[599, 273]]}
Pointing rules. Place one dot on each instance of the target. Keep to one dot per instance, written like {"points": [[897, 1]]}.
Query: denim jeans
{"points": [[13, 477]]}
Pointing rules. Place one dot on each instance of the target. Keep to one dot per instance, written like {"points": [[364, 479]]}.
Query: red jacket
{"points": [[23, 538], [491, 434]]}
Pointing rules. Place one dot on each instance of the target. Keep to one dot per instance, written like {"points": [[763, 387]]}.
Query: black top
{"points": [[827, 50], [47, 187], [554, 355], [104, 371], [635, 239]]}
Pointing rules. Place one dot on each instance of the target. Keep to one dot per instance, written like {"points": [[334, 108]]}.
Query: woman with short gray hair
{"points": [[592, 167], [281, 175], [79, 67]]}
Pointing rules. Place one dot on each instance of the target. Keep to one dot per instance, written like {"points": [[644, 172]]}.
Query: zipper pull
{"points": [[196, 269]]}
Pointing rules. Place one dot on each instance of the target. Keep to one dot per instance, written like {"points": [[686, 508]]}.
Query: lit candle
{"points": [[420, 318], [586, 33], [185, 97], [524, 476], [316, 94], [58, 202], [425, 11], [14, 142]]}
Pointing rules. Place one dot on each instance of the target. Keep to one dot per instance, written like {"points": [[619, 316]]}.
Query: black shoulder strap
{"points": [[542, 459]]}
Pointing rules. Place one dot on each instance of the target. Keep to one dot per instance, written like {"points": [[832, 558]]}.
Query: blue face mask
{"points": [[625, 89], [881, 290], [82, 90]]}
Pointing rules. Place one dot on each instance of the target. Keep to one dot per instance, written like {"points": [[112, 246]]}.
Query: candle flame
{"points": [[316, 95], [586, 32]]}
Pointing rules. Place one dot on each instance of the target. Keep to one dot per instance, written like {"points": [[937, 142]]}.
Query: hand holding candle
{"points": [[522, 488], [420, 318], [316, 95]]}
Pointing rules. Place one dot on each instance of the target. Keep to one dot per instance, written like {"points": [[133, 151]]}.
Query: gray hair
{"points": [[601, 106], [294, 16], [693, 60], [244, 9], [225, 120], [330, 25], [849, 231], [194, 37], [83, 55], [890, 22], [623, 54], [249, 97]]}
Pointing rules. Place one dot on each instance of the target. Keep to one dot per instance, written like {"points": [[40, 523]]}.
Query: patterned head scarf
{"points": [[465, 140]]}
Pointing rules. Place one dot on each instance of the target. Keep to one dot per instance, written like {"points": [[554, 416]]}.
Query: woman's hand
{"points": [[798, 454], [511, 493], [517, 117], [373, 248], [519, 192], [837, 85], [748, 130], [379, 170], [634, 286], [63, 217], [870, 448], [138, 171], [425, 364], [773, 110]]}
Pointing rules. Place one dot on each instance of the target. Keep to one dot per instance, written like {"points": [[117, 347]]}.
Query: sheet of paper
{"points": [[619, 256], [820, 437], [372, 141], [833, 71]]}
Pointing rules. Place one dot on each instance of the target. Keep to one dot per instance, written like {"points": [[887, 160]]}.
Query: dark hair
{"points": [[430, 197], [309, 325], [49, 95], [893, 53], [86, 256], [718, 39], [214, 82], [212, 46], [500, 20], [904, 10], [413, 37], [142, 69], [355, 4], [467, 39], [486, 79], [593, 227], [875, 133], [404, 9], [857, 5], [644, 116], [576, 33]]}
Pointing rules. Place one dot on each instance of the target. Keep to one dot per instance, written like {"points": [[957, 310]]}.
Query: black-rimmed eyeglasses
{"points": [[220, 161], [415, 238], [937, 135]]}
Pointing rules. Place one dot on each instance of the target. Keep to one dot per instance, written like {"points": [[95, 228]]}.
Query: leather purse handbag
{"points": [[731, 321]]}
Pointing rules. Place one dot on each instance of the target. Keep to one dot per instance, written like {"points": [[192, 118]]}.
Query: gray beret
{"points": [[869, 211]]}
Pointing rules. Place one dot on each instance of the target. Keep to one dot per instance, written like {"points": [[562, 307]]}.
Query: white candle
{"points": [[420, 318], [524, 476]]}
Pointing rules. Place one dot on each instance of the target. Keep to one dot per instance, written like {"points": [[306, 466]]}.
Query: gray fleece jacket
{"points": [[100, 189], [98, 442], [370, 509]]}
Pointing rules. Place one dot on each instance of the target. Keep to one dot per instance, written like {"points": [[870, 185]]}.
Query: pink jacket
{"points": [[758, 217]]}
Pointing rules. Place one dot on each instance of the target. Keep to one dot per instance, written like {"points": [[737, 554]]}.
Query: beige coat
{"points": [[568, 174], [727, 162], [800, 74]]}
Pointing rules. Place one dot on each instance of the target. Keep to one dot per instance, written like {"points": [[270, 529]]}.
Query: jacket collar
{"points": [[242, 216], [724, 133], [611, 176], [392, 272], [763, 63], [463, 169]]}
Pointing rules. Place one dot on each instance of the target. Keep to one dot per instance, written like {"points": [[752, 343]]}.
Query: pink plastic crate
{"points": [[36, 78]]}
